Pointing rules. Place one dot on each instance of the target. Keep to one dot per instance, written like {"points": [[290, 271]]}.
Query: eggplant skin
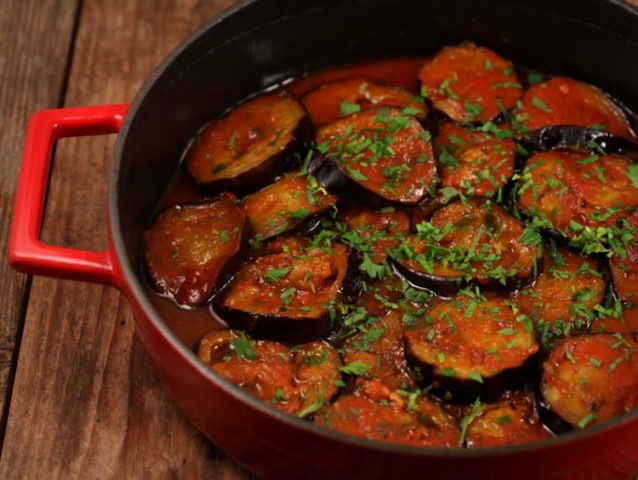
{"points": [[443, 286], [352, 284], [558, 137], [450, 286], [465, 391], [203, 156], [332, 177], [275, 327]]}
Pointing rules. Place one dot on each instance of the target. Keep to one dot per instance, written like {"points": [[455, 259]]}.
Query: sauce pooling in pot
{"points": [[405, 261]]}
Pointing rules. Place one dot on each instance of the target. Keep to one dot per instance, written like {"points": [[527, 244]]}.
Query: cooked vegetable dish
{"points": [[438, 252]]}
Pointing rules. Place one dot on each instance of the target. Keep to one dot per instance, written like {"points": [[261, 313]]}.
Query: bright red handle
{"points": [[26, 252]]}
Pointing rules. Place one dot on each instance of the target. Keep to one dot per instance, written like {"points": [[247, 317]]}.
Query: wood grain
{"points": [[33, 74], [86, 403]]}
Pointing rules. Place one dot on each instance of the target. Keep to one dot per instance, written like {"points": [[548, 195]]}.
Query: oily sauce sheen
{"points": [[392, 251]]}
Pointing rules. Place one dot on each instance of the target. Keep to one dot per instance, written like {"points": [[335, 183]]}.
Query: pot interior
{"points": [[263, 42]]}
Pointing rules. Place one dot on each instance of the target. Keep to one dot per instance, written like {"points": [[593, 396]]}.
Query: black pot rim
{"points": [[136, 289]]}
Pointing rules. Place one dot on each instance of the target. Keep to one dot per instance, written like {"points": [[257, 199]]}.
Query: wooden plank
{"points": [[86, 403], [32, 76]]}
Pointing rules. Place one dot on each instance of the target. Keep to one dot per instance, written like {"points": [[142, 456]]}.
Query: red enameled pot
{"points": [[251, 47]]}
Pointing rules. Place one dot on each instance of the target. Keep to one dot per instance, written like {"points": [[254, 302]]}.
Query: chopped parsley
{"points": [[587, 420], [476, 376], [355, 368], [534, 78], [504, 420], [477, 408], [275, 274], [219, 168], [538, 103], [347, 108], [374, 270], [313, 407], [632, 174], [316, 360], [244, 348], [280, 396], [232, 142]]}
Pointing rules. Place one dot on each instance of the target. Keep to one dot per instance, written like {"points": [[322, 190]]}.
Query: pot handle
{"points": [[26, 253]]}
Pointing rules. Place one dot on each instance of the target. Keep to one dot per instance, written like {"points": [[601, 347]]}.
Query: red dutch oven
{"points": [[250, 47]]}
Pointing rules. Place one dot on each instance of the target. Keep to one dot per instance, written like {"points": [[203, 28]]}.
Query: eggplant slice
{"points": [[568, 191], [285, 204], [331, 101], [377, 412], [380, 155], [591, 378], [565, 293], [511, 420], [283, 291], [379, 348], [250, 146], [470, 83], [190, 250], [472, 345], [563, 101], [467, 241], [473, 162], [296, 380]]}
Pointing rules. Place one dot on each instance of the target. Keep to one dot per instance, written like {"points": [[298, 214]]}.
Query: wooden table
{"points": [[79, 398]]}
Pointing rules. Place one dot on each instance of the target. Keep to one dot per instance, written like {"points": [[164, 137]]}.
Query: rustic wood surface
{"points": [[78, 397]]}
